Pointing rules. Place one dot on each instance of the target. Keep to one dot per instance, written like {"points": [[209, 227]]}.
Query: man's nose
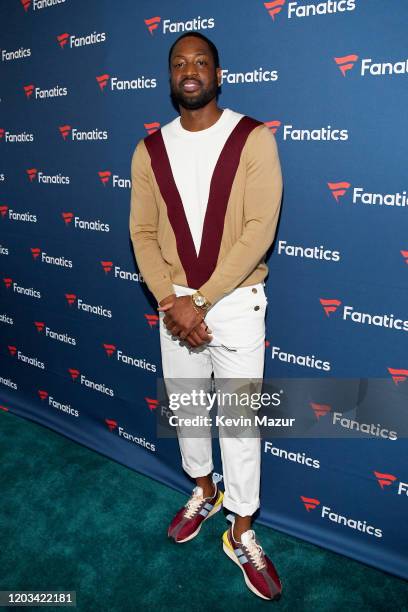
{"points": [[190, 69]]}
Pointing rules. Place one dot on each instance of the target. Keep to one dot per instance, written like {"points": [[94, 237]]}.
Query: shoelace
{"points": [[193, 505], [256, 552]]}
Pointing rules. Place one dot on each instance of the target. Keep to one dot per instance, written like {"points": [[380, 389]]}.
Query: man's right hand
{"points": [[199, 335]]}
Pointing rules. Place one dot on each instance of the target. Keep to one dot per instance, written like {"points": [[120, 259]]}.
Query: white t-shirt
{"points": [[193, 156]]}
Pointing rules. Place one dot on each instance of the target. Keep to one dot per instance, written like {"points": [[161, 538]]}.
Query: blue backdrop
{"points": [[81, 83]]}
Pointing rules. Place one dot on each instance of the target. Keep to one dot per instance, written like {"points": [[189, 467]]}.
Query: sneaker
{"points": [[259, 572], [188, 520]]}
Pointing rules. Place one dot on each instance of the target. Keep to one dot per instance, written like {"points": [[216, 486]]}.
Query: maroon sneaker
{"points": [[188, 520], [259, 572]]}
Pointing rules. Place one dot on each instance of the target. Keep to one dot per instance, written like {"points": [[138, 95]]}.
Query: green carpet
{"points": [[72, 519]]}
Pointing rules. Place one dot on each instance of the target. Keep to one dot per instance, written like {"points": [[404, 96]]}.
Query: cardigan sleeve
{"points": [[262, 202], [143, 223]]}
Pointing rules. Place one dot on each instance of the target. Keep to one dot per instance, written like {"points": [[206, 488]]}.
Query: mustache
{"points": [[190, 79]]}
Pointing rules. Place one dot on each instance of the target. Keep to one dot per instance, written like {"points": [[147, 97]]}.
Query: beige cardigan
{"points": [[240, 222]]}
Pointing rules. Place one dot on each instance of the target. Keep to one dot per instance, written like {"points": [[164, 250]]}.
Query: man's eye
{"points": [[202, 62]]}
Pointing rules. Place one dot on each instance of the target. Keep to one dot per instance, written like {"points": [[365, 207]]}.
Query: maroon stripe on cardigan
{"points": [[199, 269], [170, 194], [220, 190]]}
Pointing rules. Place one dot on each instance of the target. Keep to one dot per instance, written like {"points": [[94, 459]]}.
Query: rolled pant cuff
{"points": [[241, 509], [198, 472]]}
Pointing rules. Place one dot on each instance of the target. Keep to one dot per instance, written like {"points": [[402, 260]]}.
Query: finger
{"points": [[191, 342], [197, 338], [202, 333], [165, 307], [174, 329]]}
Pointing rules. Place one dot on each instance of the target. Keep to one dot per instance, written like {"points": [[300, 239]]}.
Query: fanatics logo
{"points": [[63, 39], [64, 131], [141, 441], [8, 282], [398, 375], [117, 84], [25, 358], [32, 174], [117, 181], [274, 7], [28, 89], [152, 24], [405, 256], [104, 175], [43, 394], [83, 380], [320, 409], [71, 297], [309, 502], [338, 189], [80, 41], [20, 137], [37, 176], [109, 348], [152, 319], [4, 408], [111, 424], [74, 373], [40, 325], [53, 92], [384, 480], [40, 4], [67, 216], [297, 134], [327, 513], [107, 266], [197, 23], [35, 251], [387, 321], [323, 7], [112, 349], [3, 210], [152, 127], [96, 225], [45, 258], [152, 403], [90, 308], [329, 306], [102, 80], [122, 274], [273, 125], [95, 134], [346, 62]]}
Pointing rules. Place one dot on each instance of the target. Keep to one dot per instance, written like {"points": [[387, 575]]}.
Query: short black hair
{"points": [[213, 48]]}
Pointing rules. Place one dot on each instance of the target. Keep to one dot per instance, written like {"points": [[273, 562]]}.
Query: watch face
{"points": [[199, 300]]}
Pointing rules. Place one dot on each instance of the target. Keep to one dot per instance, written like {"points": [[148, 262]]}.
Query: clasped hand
{"points": [[182, 320]]}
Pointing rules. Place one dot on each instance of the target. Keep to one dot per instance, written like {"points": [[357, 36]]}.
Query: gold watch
{"points": [[200, 302]]}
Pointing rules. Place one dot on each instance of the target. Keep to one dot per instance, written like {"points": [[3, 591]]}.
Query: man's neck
{"points": [[201, 118]]}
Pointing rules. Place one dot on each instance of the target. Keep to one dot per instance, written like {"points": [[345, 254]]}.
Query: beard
{"points": [[200, 98]]}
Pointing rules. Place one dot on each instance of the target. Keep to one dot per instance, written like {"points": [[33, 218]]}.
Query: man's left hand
{"points": [[181, 317]]}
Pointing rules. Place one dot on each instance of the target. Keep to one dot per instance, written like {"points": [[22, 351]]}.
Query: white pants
{"points": [[237, 321]]}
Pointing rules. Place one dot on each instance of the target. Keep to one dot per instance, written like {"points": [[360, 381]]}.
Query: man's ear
{"points": [[219, 76]]}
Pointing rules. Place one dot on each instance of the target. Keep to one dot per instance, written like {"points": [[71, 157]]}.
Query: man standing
{"points": [[206, 195]]}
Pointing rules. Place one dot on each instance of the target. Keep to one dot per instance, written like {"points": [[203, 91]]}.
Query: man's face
{"points": [[193, 77]]}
